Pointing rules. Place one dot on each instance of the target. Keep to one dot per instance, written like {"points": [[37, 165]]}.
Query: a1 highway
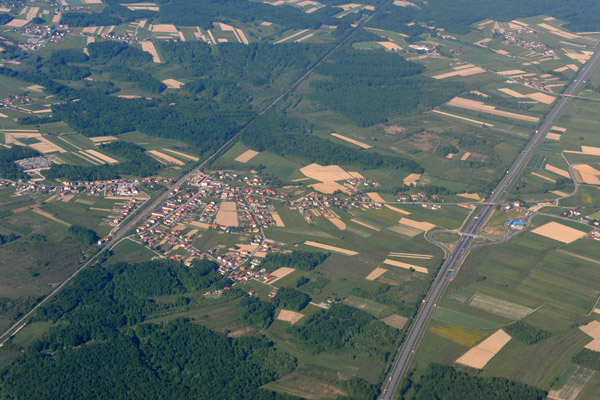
{"points": [[457, 255]]}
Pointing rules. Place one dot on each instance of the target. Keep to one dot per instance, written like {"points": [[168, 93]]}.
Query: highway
{"points": [[456, 257]]}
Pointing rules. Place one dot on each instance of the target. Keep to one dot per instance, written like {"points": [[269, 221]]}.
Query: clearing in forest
{"points": [[353, 141], [289, 316]]}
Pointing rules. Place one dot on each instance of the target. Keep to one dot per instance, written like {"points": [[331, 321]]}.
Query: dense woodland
{"points": [[444, 382], [174, 360], [8, 168], [526, 333], [369, 87], [303, 260], [588, 359], [288, 136], [83, 235], [291, 299]]}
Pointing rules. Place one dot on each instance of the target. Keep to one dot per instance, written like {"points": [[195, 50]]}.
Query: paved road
{"points": [[456, 257], [154, 203]]}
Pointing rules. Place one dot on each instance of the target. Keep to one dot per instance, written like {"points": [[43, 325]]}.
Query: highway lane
{"points": [[457, 256], [154, 203]]}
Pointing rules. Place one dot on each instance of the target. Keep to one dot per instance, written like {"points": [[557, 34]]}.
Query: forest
{"points": [[174, 360], [287, 136], [303, 260], [343, 325], [588, 359], [369, 87], [291, 299], [8, 168], [83, 235], [444, 382], [526, 333]]}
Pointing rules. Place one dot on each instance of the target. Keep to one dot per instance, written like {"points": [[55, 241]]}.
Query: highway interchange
{"points": [[455, 258]]}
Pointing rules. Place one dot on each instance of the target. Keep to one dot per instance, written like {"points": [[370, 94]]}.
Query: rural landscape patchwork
{"points": [[300, 199]]}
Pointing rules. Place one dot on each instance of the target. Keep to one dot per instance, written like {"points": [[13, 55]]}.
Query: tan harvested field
{"points": [[376, 273], [403, 3], [586, 174], [592, 260], [165, 28], [331, 248], [35, 88], [541, 97], [364, 224], [67, 198], [338, 223], [43, 146], [553, 136], [165, 157], [200, 225], [55, 159], [472, 196], [462, 118], [49, 216], [582, 57], [561, 69], [303, 38], [87, 158], [246, 247], [327, 175], [101, 156], [405, 265], [411, 255], [398, 210], [462, 72], [424, 226], [559, 129], [390, 46], [596, 310], [246, 156], [480, 355], [227, 214], [573, 67], [449, 156], [356, 175], [281, 273], [141, 6], [182, 154], [149, 48], [587, 150], [543, 177], [558, 171], [481, 107], [560, 232], [412, 179], [592, 329], [277, 219], [172, 83], [465, 156], [482, 42], [573, 386], [92, 1], [103, 139], [376, 197], [18, 23], [353, 141], [511, 72], [464, 66], [395, 321], [559, 193], [289, 316], [559, 32]]}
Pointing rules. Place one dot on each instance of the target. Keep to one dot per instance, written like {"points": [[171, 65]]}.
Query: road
{"points": [[456, 257], [154, 203]]}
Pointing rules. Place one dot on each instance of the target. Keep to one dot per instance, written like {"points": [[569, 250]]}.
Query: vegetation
{"points": [[8, 238], [303, 260], [8, 168], [290, 137], [361, 389], [369, 87], [588, 359], [526, 333], [83, 235], [256, 312], [291, 299], [342, 325], [444, 382]]}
